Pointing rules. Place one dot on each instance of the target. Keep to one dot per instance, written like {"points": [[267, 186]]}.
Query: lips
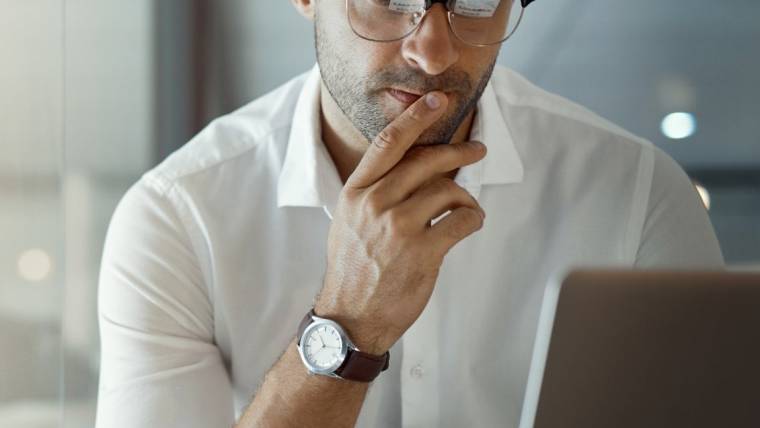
{"points": [[403, 96]]}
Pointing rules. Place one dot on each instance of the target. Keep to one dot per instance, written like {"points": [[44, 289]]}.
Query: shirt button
{"points": [[417, 371]]}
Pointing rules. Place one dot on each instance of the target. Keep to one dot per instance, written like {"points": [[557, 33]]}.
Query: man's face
{"points": [[365, 77]]}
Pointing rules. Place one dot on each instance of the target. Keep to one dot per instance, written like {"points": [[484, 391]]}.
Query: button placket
{"points": [[419, 372]]}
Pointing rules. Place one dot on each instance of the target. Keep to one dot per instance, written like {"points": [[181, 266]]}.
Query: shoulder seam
{"points": [[588, 117], [166, 183], [608, 127], [180, 206], [177, 209], [641, 199]]}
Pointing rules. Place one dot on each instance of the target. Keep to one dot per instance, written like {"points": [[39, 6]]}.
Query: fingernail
{"points": [[483, 213], [433, 101]]}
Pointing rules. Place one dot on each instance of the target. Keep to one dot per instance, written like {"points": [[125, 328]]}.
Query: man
{"points": [[334, 193]]}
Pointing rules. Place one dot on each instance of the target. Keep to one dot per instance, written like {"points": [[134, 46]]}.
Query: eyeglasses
{"points": [[474, 22]]}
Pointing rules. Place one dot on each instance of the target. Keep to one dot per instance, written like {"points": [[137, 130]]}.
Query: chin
{"points": [[435, 137]]}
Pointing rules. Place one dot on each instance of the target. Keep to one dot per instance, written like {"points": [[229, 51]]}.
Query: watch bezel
{"points": [[345, 344]]}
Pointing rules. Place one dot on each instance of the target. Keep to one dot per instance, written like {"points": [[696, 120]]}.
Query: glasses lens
{"points": [[485, 22], [479, 22], [384, 20]]}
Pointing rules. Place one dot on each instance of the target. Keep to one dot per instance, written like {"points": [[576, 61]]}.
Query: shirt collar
{"points": [[309, 177]]}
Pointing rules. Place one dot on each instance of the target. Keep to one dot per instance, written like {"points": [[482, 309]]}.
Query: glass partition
{"points": [[32, 261], [109, 142], [76, 130]]}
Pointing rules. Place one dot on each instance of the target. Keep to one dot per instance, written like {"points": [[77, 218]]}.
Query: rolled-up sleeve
{"points": [[160, 366], [677, 232]]}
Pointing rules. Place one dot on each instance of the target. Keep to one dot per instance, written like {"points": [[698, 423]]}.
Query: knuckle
{"points": [[396, 221], [468, 222], [473, 201], [416, 113], [445, 185], [456, 230], [372, 205], [419, 154], [456, 193], [469, 151], [477, 220], [458, 147], [388, 137], [348, 194], [466, 151]]}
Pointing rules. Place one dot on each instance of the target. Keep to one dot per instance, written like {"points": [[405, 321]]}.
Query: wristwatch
{"points": [[325, 349]]}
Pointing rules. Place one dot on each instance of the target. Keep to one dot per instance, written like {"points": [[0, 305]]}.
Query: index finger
{"points": [[391, 143]]}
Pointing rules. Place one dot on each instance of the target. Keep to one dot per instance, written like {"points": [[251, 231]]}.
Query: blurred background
{"points": [[94, 93]]}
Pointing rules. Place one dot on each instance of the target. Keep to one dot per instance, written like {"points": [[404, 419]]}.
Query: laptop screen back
{"points": [[647, 349]]}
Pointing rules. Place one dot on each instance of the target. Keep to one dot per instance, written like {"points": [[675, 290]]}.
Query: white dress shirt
{"points": [[213, 257]]}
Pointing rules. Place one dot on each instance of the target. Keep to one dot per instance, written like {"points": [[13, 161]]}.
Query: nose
{"points": [[431, 47]]}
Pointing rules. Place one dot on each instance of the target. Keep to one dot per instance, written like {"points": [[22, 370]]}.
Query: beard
{"points": [[360, 98]]}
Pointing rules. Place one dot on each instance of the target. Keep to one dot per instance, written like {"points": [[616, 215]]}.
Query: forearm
{"points": [[292, 397]]}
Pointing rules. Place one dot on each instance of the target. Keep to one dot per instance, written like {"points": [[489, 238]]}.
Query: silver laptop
{"points": [[647, 349]]}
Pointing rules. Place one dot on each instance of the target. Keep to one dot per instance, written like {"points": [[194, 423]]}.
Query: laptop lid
{"points": [[647, 349]]}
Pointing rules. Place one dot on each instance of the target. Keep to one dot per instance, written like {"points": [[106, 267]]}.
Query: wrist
{"points": [[326, 348], [366, 337]]}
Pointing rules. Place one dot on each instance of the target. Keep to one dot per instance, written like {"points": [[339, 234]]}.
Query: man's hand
{"points": [[383, 255]]}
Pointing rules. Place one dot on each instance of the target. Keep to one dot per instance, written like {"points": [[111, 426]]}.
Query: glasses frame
{"points": [[449, 14]]}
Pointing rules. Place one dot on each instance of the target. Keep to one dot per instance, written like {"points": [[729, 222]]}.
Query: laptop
{"points": [[647, 349]]}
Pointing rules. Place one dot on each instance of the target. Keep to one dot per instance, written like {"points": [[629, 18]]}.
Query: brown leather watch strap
{"points": [[304, 323], [362, 367], [358, 366]]}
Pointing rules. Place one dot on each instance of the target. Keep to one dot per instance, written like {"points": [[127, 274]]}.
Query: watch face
{"points": [[322, 347]]}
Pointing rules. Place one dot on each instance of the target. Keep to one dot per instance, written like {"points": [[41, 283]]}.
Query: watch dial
{"points": [[323, 346]]}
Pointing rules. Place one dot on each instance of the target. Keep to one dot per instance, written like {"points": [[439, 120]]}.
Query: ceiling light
{"points": [[679, 125]]}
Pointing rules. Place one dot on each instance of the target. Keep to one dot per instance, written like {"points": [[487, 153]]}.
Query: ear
{"points": [[305, 8]]}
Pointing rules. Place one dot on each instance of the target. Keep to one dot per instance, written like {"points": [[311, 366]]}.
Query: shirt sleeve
{"points": [[160, 366], [677, 233]]}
